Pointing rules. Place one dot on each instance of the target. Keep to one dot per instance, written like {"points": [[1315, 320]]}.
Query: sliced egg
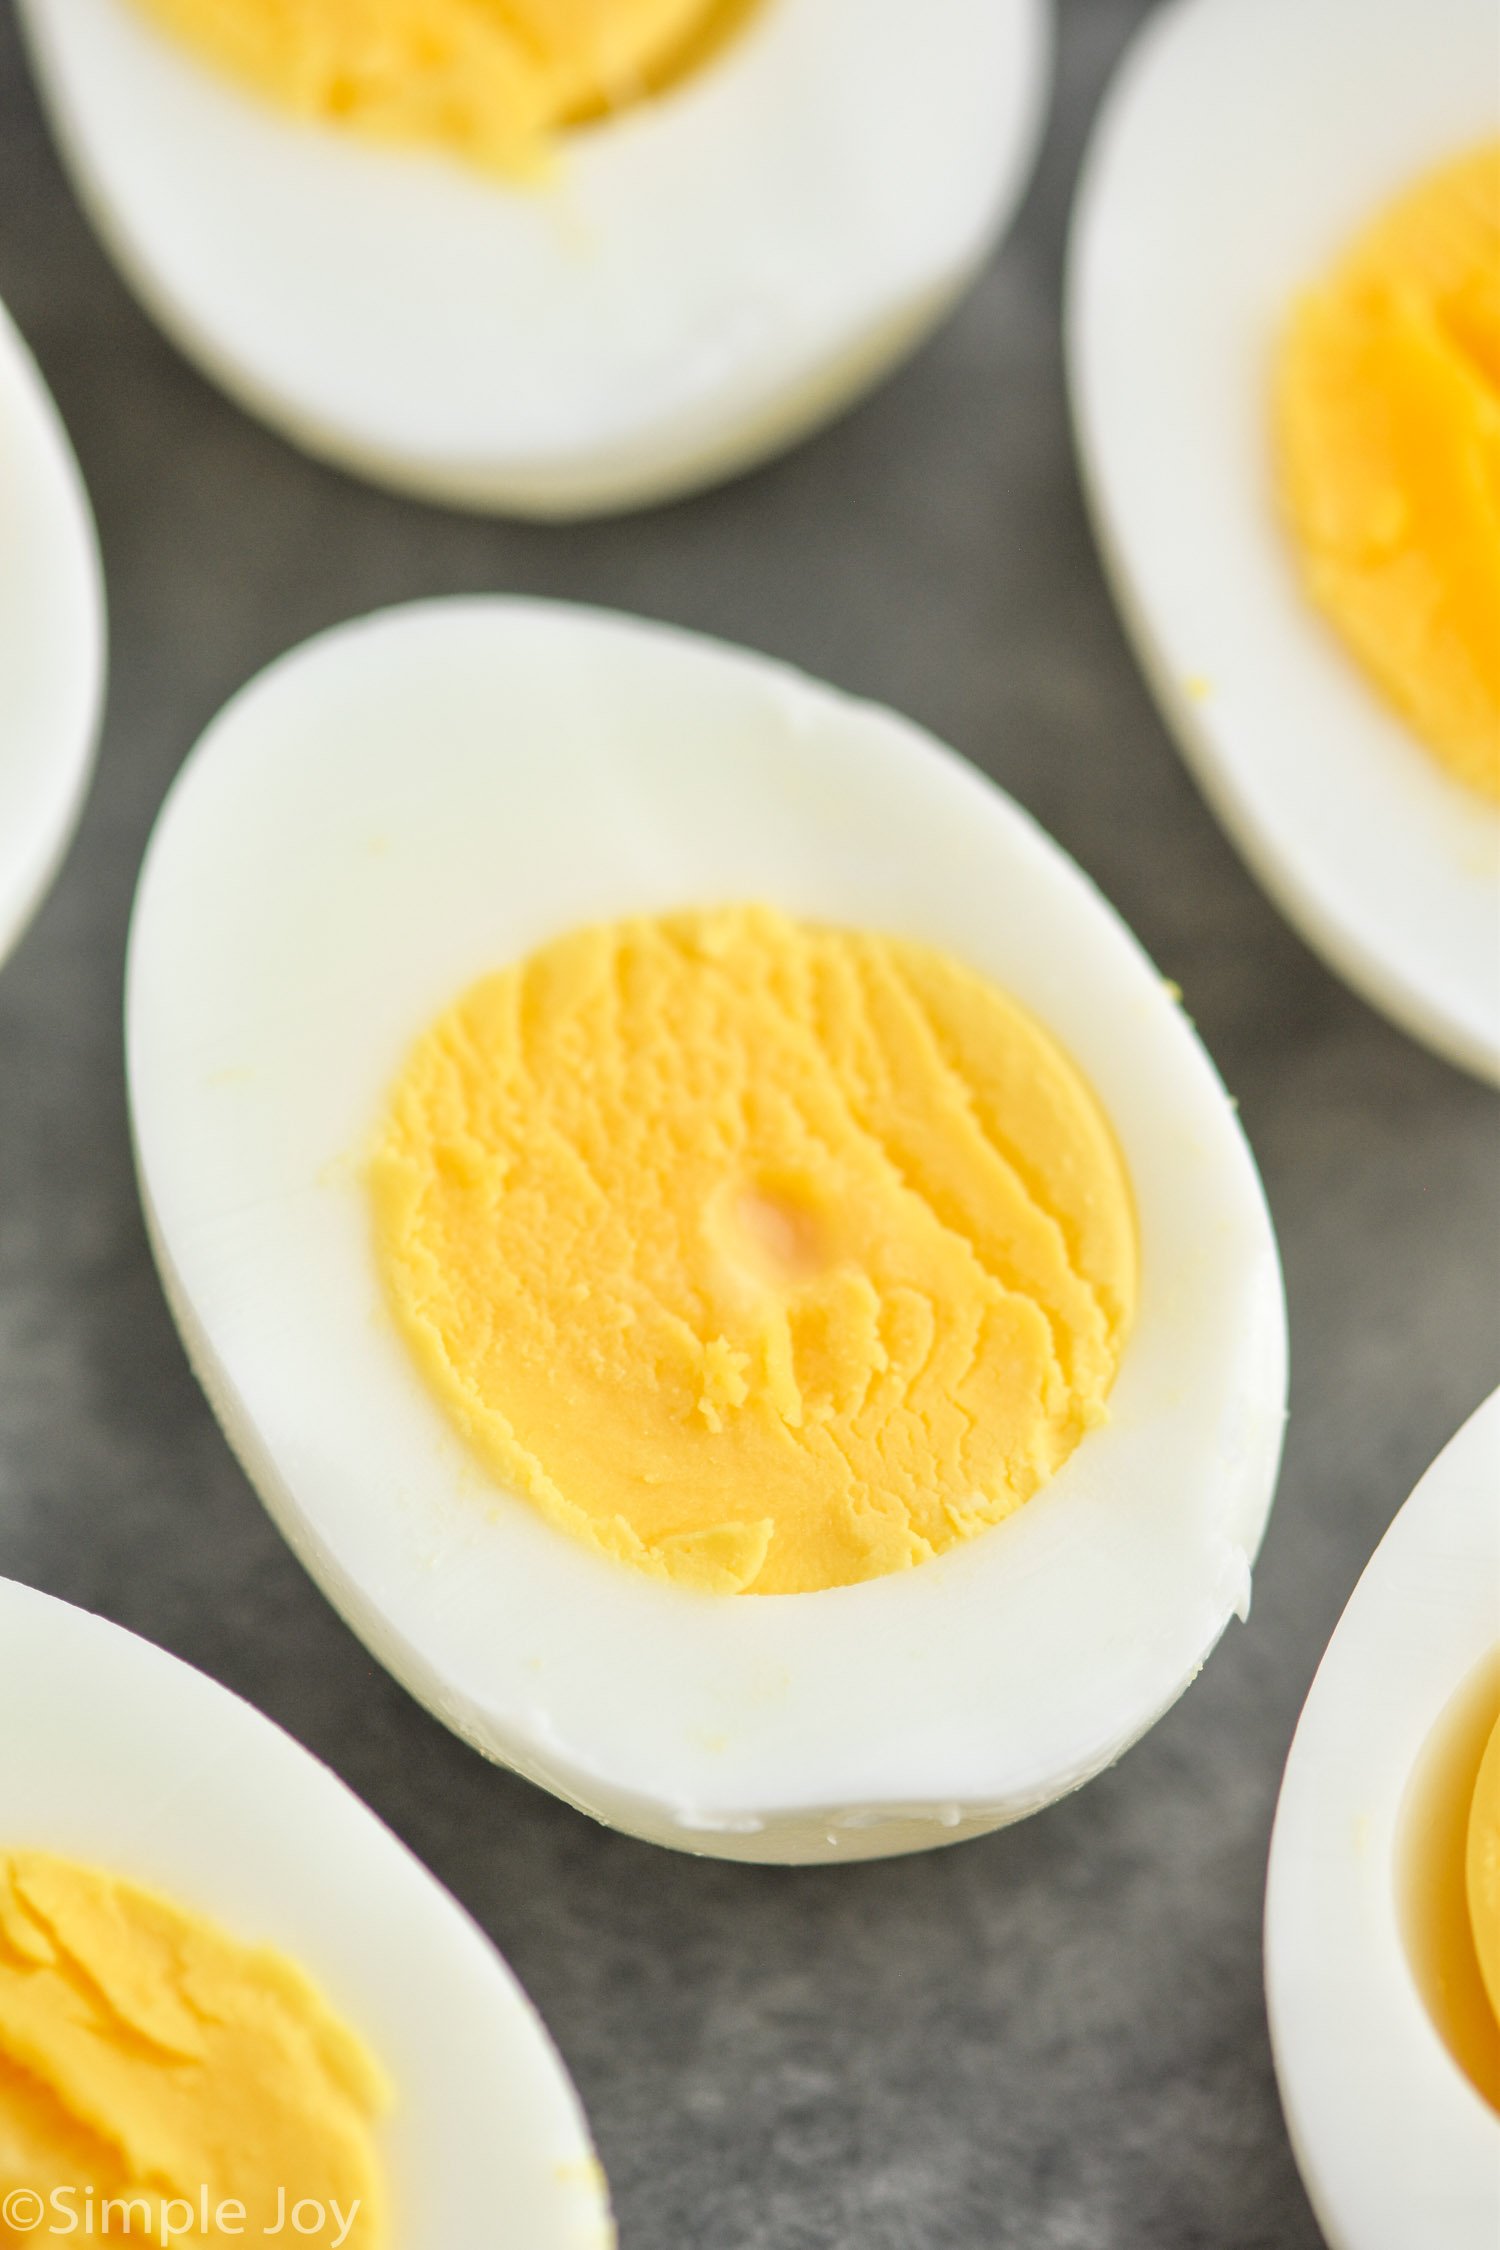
{"points": [[118, 1756], [51, 637], [1396, 2145], [1243, 146], [708, 274], [431, 793]]}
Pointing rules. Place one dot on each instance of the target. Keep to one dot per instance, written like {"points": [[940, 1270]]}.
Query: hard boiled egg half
{"points": [[116, 1757], [1243, 148], [695, 279], [1387, 2043], [430, 794], [51, 637]]}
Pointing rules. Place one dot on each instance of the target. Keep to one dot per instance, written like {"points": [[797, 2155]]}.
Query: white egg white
{"points": [[51, 637], [713, 272], [116, 1754], [1397, 2149], [1242, 146], [413, 799]]}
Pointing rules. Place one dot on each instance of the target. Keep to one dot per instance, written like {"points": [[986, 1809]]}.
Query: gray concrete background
{"points": [[1053, 2039]]}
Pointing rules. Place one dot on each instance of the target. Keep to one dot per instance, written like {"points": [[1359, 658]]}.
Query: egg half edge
{"points": [[116, 1754], [712, 273], [1394, 2144], [1240, 148], [422, 795], [51, 637]]}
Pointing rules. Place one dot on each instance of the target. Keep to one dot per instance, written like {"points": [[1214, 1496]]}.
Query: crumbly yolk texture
{"points": [[150, 2062], [1387, 407], [490, 81], [1482, 1868], [765, 1256]]}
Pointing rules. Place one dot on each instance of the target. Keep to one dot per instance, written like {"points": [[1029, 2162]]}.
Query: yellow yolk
{"points": [[148, 2058], [489, 80], [1449, 1877], [1482, 1868], [765, 1256], [1388, 427]]}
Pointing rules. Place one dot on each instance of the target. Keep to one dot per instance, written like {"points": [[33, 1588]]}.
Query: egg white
{"points": [[1395, 2146], [114, 1753], [412, 799], [715, 271], [1242, 146], [51, 637]]}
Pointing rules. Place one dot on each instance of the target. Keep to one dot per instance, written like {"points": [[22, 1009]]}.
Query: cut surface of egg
{"points": [[1298, 129], [701, 277], [120, 1765], [430, 795], [51, 637], [1395, 2142]]}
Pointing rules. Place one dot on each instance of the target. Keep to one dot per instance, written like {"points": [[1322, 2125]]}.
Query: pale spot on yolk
{"points": [[774, 1239]]}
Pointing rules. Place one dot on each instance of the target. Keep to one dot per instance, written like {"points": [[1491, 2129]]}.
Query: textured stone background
{"points": [[1052, 2039]]}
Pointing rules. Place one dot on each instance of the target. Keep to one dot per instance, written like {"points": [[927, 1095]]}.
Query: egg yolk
{"points": [[764, 1256], [489, 80], [162, 2082], [1482, 1868], [1451, 1878], [1388, 427]]}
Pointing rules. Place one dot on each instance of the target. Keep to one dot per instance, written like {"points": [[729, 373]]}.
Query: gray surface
{"points": [[1053, 2039]]}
